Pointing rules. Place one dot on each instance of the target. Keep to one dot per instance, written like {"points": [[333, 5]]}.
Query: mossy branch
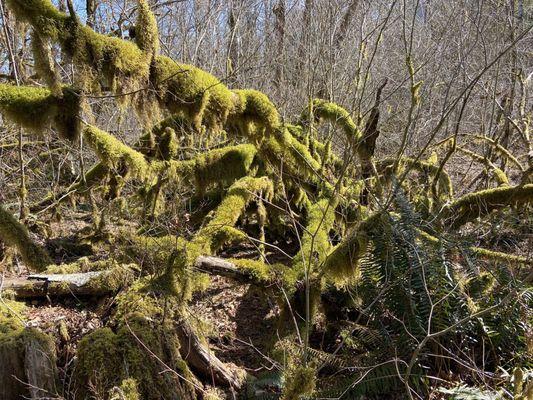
{"points": [[36, 109], [14, 234], [478, 204]]}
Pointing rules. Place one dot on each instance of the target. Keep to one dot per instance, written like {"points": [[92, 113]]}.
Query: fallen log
{"points": [[203, 361], [92, 283], [222, 267]]}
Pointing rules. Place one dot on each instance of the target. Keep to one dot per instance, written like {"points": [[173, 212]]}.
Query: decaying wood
{"points": [[27, 367], [57, 285], [202, 360], [222, 267]]}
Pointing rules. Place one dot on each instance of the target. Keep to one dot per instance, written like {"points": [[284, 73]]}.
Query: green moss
{"points": [[478, 204], [126, 391], [37, 108], [41, 14], [223, 166], [192, 92], [342, 263], [146, 32], [331, 112], [14, 234], [99, 363], [498, 174], [445, 187], [228, 212], [299, 382], [315, 244], [139, 351], [168, 146], [10, 318], [44, 63], [501, 257], [120, 64], [113, 152], [253, 106]]}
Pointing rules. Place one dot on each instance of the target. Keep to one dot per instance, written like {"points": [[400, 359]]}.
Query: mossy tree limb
{"points": [[478, 204], [14, 234]]}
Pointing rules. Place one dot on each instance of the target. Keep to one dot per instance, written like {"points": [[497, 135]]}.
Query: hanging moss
{"points": [[228, 212], [445, 187], [14, 234], [168, 146], [37, 108], [478, 204], [42, 15], [44, 63], [121, 64], [224, 165]]}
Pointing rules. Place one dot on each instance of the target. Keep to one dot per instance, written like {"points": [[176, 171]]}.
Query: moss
{"points": [[10, 318], [14, 234], [121, 64], [228, 212], [168, 146], [98, 362], [254, 106], [498, 174], [299, 382], [343, 261], [41, 14], [315, 244], [445, 187], [126, 391], [113, 152], [331, 112], [478, 204], [146, 32], [501, 257], [258, 270], [283, 148], [223, 166], [192, 92], [36, 109], [44, 63]]}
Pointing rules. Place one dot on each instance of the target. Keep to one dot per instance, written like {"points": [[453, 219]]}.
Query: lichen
{"points": [[14, 234]]}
